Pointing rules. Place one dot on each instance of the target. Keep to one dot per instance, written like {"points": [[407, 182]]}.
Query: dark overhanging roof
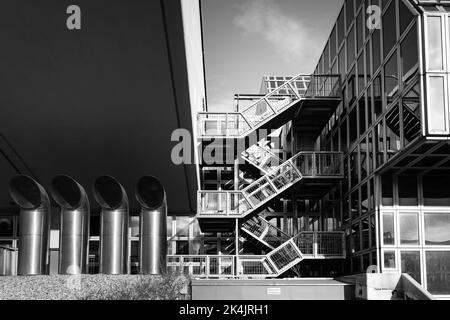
{"points": [[101, 100]]}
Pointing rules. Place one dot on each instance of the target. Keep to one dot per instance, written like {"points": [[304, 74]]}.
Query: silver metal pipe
{"points": [[34, 225], [153, 225], [112, 198], [74, 238]]}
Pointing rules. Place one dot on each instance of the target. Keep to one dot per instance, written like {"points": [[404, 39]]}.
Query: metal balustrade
{"points": [[321, 244], [240, 124], [238, 204], [262, 158], [263, 231], [306, 245]]}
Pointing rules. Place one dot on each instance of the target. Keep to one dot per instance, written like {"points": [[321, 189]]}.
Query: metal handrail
{"points": [[268, 186], [312, 86]]}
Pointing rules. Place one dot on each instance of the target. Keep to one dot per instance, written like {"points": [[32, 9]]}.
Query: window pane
{"points": [[410, 264], [389, 29], [94, 225], [409, 51], [356, 238], [388, 229], [387, 191], [409, 229], [437, 229], [406, 16], [436, 105], [350, 13], [391, 78], [376, 47], [407, 190], [341, 62], [436, 191], [435, 61], [379, 144], [182, 247], [365, 234], [182, 226], [134, 226], [6, 227], [360, 30], [389, 259], [340, 24], [333, 44], [351, 47], [438, 272]]}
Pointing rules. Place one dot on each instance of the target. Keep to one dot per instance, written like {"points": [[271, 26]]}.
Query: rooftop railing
{"points": [[267, 107]]}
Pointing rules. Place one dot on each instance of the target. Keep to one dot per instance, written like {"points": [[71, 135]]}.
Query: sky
{"points": [[247, 39]]}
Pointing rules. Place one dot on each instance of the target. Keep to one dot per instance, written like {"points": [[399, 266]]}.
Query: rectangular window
{"points": [[6, 226], [436, 113], [182, 226], [436, 191], [388, 228], [365, 234], [437, 229], [407, 190], [341, 27], [438, 272], [409, 229], [373, 239], [391, 78], [387, 191], [389, 29], [389, 259], [434, 43], [409, 51], [376, 50], [410, 264], [350, 47]]}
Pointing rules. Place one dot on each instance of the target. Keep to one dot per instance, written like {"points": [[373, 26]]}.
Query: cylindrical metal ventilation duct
{"points": [[153, 225], [34, 225], [74, 238], [112, 198]]}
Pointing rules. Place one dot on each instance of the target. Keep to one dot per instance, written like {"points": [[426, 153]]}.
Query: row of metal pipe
{"points": [[34, 225]]}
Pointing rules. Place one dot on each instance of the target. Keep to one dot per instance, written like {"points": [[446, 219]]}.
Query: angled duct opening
{"points": [[108, 192], [67, 192], [150, 192], [26, 192]]}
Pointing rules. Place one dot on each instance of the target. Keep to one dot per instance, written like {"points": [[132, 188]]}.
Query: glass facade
{"points": [[380, 117]]}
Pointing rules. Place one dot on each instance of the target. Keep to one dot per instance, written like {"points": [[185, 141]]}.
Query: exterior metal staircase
{"points": [[411, 122], [238, 125], [286, 253], [216, 207], [262, 158], [239, 204]]}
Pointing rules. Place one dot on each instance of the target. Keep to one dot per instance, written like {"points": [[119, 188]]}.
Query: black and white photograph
{"points": [[204, 151]]}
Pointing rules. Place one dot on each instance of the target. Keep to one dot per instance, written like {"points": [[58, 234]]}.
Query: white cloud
{"points": [[287, 35]]}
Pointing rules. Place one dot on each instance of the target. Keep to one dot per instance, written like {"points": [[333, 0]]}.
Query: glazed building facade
{"points": [[393, 129]]}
